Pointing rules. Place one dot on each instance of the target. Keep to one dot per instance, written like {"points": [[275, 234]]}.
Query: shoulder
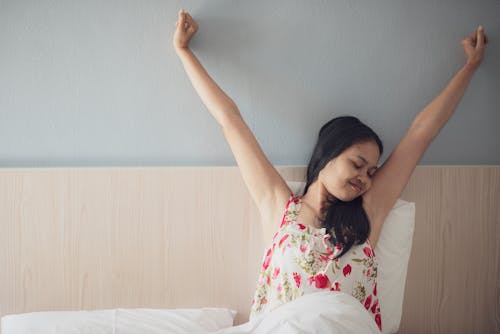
{"points": [[283, 199], [272, 213]]}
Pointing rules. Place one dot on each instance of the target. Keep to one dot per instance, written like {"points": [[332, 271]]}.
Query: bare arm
{"points": [[435, 115], [217, 102], [391, 179], [266, 186]]}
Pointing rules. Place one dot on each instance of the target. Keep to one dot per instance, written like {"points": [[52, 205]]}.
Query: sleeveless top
{"points": [[301, 262]]}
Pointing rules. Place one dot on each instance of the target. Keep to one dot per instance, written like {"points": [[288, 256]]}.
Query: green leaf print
{"points": [[308, 263], [261, 294], [286, 284], [359, 291]]}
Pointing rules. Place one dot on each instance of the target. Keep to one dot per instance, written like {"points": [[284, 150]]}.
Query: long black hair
{"points": [[346, 222]]}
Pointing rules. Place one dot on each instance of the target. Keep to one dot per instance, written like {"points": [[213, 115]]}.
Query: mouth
{"points": [[355, 187]]}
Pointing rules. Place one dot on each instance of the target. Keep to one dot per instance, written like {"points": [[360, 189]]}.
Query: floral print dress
{"points": [[300, 262]]}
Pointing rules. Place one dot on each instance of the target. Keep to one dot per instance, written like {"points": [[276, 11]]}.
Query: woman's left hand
{"points": [[474, 45]]}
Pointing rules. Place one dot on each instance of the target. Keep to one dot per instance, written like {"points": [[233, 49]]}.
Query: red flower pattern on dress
{"points": [[268, 258], [276, 272], [301, 226], [375, 289], [335, 287], [323, 258], [282, 223], [283, 239], [367, 251], [368, 302], [297, 277], [321, 281], [378, 320], [374, 306], [347, 270]]}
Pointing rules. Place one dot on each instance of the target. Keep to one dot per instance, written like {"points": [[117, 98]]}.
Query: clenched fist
{"points": [[186, 27], [474, 45]]}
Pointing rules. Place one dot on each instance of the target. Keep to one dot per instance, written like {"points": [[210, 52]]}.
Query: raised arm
{"points": [[391, 178], [265, 184], [218, 103]]}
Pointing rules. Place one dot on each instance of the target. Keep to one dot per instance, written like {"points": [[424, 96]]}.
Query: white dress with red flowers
{"points": [[300, 262]]}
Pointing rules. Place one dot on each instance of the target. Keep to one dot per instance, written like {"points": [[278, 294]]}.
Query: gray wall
{"points": [[97, 83]]}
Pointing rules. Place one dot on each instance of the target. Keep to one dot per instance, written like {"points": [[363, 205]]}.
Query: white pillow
{"points": [[393, 253], [121, 320]]}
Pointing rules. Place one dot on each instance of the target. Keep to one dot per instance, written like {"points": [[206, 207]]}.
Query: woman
{"points": [[346, 193]]}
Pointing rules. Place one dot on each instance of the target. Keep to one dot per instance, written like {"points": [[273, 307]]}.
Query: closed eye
{"points": [[358, 167]]}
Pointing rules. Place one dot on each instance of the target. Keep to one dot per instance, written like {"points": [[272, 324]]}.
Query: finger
{"points": [[467, 41], [189, 19], [182, 20], [182, 15], [480, 37], [192, 22], [470, 38]]}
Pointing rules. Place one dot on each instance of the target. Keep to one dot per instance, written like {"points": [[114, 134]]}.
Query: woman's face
{"points": [[356, 165]]}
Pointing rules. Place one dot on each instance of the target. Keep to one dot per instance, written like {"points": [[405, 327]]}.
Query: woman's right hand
{"points": [[186, 27]]}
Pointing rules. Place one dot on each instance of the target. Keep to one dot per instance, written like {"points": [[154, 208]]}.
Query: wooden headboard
{"points": [[98, 238]]}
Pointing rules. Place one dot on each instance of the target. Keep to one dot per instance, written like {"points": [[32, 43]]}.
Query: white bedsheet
{"points": [[320, 312], [120, 321]]}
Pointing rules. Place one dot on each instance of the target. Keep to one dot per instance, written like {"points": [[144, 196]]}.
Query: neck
{"points": [[316, 199]]}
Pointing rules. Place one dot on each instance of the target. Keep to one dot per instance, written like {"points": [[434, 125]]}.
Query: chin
{"points": [[349, 196], [345, 197]]}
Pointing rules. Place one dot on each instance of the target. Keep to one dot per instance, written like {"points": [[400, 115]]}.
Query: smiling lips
{"points": [[355, 187]]}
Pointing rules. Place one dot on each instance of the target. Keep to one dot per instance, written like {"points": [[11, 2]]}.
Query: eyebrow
{"points": [[366, 161]]}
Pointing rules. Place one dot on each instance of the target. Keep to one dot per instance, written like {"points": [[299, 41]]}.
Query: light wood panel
{"points": [[96, 238], [453, 276]]}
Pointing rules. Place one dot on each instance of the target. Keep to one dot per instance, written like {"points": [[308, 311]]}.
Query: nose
{"points": [[363, 181]]}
